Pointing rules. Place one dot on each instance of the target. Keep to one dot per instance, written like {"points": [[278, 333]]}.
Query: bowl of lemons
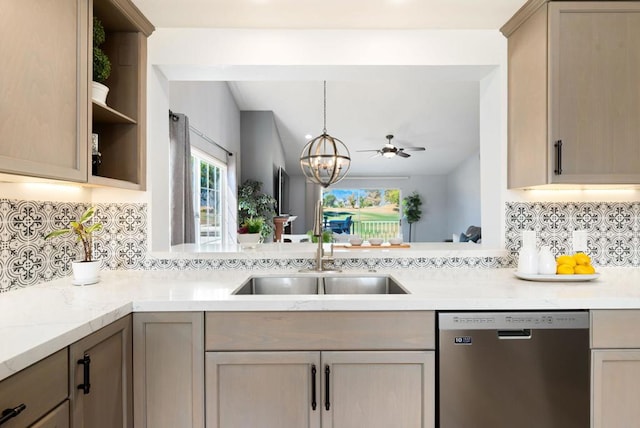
{"points": [[576, 264]]}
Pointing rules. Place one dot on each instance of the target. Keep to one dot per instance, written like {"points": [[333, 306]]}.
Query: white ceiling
{"points": [[319, 14], [434, 107]]}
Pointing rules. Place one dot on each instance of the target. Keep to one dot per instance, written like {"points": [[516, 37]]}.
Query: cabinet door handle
{"points": [[8, 414], [313, 387], [85, 386], [558, 146], [327, 372]]}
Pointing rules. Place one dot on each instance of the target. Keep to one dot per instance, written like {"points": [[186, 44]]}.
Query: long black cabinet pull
{"points": [[558, 146], [313, 387], [8, 414], [327, 372], [85, 386]]}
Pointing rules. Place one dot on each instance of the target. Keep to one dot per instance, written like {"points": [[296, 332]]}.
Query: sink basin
{"points": [[323, 284], [362, 285], [280, 285]]}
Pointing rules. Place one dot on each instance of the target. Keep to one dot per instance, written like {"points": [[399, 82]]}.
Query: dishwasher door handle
{"points": [[524, 333]]}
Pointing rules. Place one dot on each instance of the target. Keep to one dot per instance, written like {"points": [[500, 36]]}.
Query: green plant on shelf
{"points": [[101, 62]]}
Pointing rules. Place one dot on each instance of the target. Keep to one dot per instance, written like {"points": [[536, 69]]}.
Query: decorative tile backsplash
{"points": [[27, 259], [613, 228]]}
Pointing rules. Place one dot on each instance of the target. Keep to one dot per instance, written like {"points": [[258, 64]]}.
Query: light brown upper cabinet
{"points": [[121, 123], [574, 94], [45, 91], [43, 88]]}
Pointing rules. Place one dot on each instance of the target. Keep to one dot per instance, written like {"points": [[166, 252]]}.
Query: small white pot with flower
{"points": [[85, 271]]}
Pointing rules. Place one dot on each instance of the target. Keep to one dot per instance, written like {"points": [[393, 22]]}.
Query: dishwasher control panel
{"points": [[512, 320]]}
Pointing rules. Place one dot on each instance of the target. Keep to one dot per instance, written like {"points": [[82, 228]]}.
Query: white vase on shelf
{"points": [[99, 92]]}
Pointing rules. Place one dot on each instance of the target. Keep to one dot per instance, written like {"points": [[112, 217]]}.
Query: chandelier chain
{"points": [[324, 129]]}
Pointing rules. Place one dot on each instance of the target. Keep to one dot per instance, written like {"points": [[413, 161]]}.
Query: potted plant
{"points": [[84, 271], [327, 236], [253, 204], [411, 207], [101, 64], [250, 233]]}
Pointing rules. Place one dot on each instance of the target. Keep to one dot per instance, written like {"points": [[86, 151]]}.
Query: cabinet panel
{"points": [[615, 394], [168, 357], [574, 69], [613, 328], [40, 387], [58, 418], [527, 102], [379, 389], [121, 125], [594, 69], [43, 89], [265, 389], [365, 330], [108, 402]]}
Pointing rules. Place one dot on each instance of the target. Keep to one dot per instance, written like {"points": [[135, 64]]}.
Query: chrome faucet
{"points": [[321, 259]]}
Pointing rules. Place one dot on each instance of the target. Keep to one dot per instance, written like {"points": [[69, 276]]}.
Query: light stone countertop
{"points": [[39, 320], [342, 250]]}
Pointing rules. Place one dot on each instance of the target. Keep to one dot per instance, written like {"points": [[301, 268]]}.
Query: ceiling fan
{"points": [[389, 150]]}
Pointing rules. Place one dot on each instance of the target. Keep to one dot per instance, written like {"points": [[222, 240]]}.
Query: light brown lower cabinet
{"points": [[320, 369], [168, 359], [101, 378], [34, 393], [58, 418], [338, 389], [615, 368]]}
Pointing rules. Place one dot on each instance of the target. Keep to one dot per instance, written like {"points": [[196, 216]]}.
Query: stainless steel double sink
{"points": [[320, 284]]}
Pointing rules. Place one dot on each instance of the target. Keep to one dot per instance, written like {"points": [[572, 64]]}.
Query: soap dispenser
{"points": [[528, 256]]}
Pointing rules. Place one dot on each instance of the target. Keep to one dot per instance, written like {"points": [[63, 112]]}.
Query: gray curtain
{"points": [[183, 229]]}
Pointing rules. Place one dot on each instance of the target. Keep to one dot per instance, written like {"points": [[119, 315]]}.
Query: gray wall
{"points": [[463, 188], [262, 151], [212, 109]]}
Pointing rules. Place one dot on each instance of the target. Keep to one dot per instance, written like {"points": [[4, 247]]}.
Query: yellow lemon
{"points": [[566, 260], [582, 259], [565, 269], [584, 270]]}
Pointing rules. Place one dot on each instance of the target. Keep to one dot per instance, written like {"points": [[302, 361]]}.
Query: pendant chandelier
{"points": [[325, 160]]}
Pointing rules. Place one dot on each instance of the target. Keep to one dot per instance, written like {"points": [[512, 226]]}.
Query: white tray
{"points": [[557, 278]]}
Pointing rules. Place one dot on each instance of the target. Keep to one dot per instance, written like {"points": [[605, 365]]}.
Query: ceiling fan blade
{"points": [[376, 155], [414, 149], [373, 150], [401, 153]]}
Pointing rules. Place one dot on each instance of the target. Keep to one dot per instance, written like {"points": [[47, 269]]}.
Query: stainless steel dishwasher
{"points": [[513, 369]]}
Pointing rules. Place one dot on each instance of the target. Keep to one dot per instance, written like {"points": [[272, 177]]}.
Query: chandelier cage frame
{"points": [[325, 160]]}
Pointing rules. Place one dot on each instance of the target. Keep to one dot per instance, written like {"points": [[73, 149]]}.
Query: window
{"points": [[366, 212], [208, 191]]}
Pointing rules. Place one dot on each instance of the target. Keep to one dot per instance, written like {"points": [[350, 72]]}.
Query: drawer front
{"points": [[40, 387], [58, 418], [246, 331], [619, 328]]}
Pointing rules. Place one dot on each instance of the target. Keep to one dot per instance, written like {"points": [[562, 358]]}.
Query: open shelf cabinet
{"points": [[121, 123]]}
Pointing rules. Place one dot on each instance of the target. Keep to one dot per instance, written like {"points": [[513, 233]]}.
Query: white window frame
{"points": [[201, 155]]}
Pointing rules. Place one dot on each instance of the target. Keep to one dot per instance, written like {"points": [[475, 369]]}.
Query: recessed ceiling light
{"points": [[308, 137]]}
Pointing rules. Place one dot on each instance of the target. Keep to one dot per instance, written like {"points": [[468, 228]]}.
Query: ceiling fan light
{"points": [[388, 155]]}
